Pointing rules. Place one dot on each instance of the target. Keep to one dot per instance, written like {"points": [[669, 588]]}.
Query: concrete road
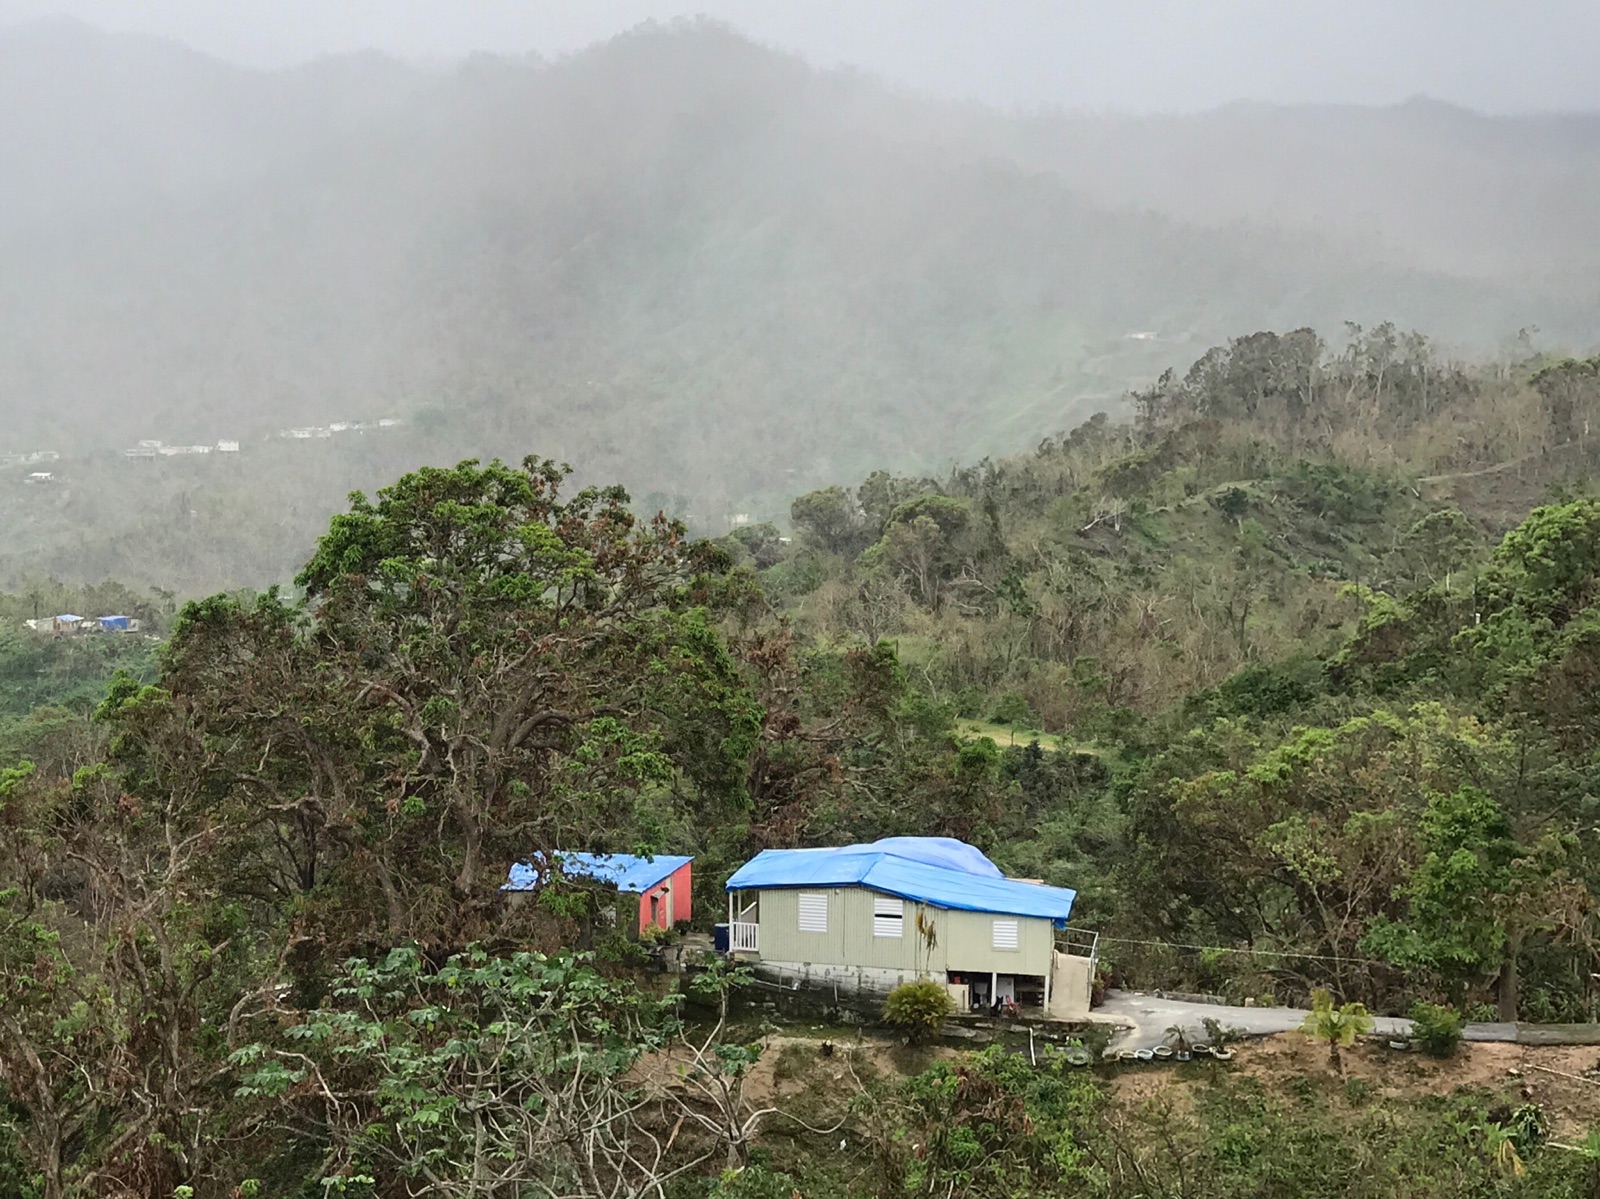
{"points": [[1146, 1019]]}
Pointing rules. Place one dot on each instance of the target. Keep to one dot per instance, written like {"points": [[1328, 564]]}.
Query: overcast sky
{"points": [[1497, 55]]}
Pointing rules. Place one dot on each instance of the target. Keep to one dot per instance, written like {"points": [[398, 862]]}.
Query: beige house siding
{"points": [[968, 940], [963, 941]]}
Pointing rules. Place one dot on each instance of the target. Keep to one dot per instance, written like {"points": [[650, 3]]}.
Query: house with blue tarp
{"points": [[865, 918], [660, 885]]}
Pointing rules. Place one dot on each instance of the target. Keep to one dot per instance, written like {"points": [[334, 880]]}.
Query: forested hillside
{"points": [[677, 258], [1290, 677]]}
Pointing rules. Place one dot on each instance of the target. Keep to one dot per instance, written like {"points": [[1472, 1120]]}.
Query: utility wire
{"points": [[1280, 953]]}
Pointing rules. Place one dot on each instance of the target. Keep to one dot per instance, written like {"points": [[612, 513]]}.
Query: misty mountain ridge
{"points": [[695, 263]]}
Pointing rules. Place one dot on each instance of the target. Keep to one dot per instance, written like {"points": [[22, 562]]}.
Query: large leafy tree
{"points": [[480, 669]]}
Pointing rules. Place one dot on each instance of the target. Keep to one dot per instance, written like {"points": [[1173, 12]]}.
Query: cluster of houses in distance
{"points": [[32, 458], [159, 449], [310, 432], [152, 448], [69, 625], [29, 458]]}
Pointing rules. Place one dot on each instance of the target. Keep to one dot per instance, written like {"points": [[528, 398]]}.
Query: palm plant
{"points": [[1338, 1026], [1501, 1146]]}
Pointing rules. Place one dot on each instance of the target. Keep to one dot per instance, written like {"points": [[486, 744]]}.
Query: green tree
{"points": [[1454, 922], [1438, 546], [480, 669], [830, 520]]}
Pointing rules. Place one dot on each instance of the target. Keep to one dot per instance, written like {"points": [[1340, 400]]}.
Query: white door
{"points": [[1005, 988]]}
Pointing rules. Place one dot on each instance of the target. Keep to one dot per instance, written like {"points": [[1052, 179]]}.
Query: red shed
{"points": [[663, 883]]}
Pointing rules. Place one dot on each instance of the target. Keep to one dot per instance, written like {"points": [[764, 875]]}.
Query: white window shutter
{"points": [[888, 917], [1007, 934], [813, 911]]}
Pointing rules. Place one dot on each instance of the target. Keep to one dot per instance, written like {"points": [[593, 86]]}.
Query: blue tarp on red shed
{"points": [[625, 871]]}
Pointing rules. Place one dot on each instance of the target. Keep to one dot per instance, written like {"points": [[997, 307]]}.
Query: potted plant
{"points": [[1178, 1042], [1219, 1037]]}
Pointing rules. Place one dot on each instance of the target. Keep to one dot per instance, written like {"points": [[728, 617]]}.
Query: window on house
{"points": [[813, 911], [888, 917], [1007, 935]]}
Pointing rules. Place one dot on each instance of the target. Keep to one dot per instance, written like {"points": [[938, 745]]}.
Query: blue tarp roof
{"points": [[625, 871], [934, 870]]}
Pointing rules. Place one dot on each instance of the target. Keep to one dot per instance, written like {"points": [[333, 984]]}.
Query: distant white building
{"points": [[142, 451], [388, 422], [227, 447], [40, 476]]}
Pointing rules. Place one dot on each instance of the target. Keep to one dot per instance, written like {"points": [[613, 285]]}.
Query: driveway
{"points": [[1146, 1018]]}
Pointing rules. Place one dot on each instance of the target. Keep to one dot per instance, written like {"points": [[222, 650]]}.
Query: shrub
{"points": [[1012, 709], [919, 1008], [1221, 1035], [1436, 1027], [1338, 1026], [1528, 1127], [755, 1181]]}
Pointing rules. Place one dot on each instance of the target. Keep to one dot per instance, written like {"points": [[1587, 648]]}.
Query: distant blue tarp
{"points": [[114, 624], [625, 871], [934, 870]]}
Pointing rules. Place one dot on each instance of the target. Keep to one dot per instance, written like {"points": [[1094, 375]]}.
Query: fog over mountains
{"points": [[697, 265]]}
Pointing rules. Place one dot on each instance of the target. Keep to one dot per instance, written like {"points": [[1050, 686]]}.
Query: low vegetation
{"points": [[918, 1008], [1436, 1027]]}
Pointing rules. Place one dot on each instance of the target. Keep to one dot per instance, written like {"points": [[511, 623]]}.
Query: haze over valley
{"points": [[683, 260]]}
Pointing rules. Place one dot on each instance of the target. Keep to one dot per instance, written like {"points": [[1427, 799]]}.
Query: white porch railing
{"points": [[742, 937]]}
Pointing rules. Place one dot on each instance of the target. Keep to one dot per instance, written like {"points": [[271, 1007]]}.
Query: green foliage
{"points": [[1455, 891], [516, 1066], [1012, 709], [919, 1008], [755, 1181], [310, 803], [1338, 1026], [1436, 1027], [1554, 555], [990, 1124], [1264, 691]]}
